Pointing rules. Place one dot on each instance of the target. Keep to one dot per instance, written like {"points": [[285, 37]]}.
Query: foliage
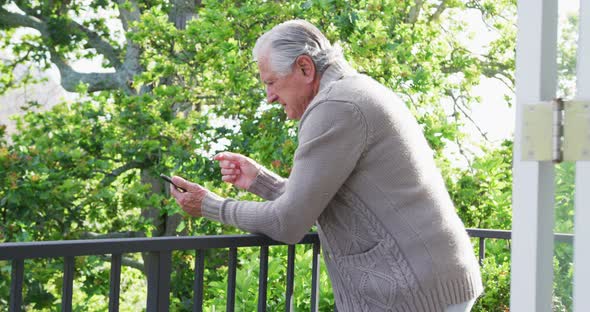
{"points": [[482, 192], [566, 56], [165, 118], [563, 252], [496, 297], [247, 283]]}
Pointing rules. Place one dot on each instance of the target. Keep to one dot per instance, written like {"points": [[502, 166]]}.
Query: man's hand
{"points": [[191, 200], [237, 169]]}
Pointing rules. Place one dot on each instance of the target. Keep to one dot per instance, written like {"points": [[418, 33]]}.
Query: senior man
{"points": [[363, 171]]}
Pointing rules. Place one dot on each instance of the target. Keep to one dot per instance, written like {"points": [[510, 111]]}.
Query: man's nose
{"points": [[271, 97]]}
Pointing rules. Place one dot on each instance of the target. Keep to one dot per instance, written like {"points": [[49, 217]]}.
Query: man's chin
{"points": [[291, 115]]}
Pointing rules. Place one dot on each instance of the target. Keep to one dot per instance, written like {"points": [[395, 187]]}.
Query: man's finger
{"points": [[175, 193], [228, 156], [228, 178], [227, 164], [181, 182], [230, 171]]}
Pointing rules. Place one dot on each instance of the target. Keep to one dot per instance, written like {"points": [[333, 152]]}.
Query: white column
{"points": [[533, 186], [582, 194]]}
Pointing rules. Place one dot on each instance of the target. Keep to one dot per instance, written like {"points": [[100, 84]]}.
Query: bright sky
{"points": [[493, 114]]}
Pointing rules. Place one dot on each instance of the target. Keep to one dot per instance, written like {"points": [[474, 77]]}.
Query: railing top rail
{"points": [[54, 249], [488, 233], [506, 234]]}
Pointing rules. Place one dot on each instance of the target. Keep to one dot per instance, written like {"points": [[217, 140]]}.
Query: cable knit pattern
{"points": [[363, 170], [381, 274]]}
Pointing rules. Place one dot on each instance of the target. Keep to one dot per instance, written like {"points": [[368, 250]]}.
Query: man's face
{"points": [[292, 91]]}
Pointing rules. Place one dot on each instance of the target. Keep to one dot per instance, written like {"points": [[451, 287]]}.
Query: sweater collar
{"points": [[335, 72]]}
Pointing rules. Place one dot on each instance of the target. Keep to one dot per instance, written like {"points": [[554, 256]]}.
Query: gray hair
{"points": [[287, 41]]}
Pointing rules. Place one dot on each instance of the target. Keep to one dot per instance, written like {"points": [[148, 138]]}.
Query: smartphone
{"points": [[169, 180]]}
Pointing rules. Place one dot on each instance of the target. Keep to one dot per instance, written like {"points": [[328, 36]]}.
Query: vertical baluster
{"points": [[16, 285], [482, 250], [533, 195], [159, 268], [315, 272], [290, 277], [115, 283], [68, 283], [164, 281], [582, 180], [152, 263], [198, 285], [262, 278], [231, 279]]}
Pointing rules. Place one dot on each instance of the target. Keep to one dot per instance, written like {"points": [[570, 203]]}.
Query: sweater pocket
{"points": [[379, 277]]}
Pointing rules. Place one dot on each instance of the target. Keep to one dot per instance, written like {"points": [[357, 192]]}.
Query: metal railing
{"points": [[483, 234], [160, 264], [159, 268]]}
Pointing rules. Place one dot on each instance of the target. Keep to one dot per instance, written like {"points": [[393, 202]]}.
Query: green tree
{"points": [[565, 172], [177, 84]]}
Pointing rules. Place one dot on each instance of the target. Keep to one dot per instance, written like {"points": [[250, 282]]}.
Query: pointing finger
{"points": [[227, 156]]}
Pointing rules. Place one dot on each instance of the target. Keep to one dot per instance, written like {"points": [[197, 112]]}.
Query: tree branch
{"points": [[110, 177], [475, 4], [128, 16], [457, 104], [409, 97], [172, 222], [183, 11], [25, 7], [492, 68], [439, 10], [18, 20], [131, 65], [457, 141], [102, 46], [138, 265], [415, 12], [510, 85], [69, 77], [124, 260]]}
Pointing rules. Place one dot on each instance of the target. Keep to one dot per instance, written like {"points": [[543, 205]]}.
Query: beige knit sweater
{"points": [[363, 170]]}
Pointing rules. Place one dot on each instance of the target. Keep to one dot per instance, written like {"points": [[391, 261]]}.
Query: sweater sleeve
{"points": [[332, 137], [268, 185]]}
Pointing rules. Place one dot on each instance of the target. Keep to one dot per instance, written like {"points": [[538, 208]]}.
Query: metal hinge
{"points": [[556, 131]]}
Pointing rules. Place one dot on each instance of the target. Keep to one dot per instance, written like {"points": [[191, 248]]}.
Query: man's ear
{"points": [[305, 64]]}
